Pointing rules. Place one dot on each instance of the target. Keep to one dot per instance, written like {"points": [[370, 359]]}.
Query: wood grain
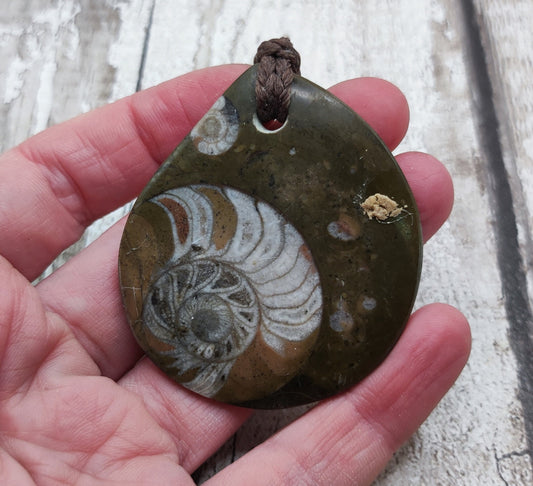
{"points": [[61, 58]]}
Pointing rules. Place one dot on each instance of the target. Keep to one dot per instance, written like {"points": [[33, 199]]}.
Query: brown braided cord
{"points": [[278, 63]]}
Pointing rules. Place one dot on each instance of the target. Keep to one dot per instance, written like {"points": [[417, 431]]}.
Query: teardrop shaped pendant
{"points": [[272, 268]]}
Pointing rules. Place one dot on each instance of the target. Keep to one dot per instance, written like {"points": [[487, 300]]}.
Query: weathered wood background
{"points": [[466, 68]]}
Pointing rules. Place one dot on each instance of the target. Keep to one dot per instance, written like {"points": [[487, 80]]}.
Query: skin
{"points": [[78, 403]]}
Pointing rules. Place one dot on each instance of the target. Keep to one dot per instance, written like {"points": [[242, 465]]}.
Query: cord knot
{"points": [[278, 63]]}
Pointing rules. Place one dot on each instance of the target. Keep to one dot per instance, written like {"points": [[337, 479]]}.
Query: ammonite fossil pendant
{"points": [[272, 268]]}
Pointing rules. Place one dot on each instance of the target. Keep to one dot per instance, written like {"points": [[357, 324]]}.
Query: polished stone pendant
{"points": [[272, 268]]}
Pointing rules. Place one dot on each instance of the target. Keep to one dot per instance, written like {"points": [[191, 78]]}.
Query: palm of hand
{"points": [[76, 404], [62, 422]]}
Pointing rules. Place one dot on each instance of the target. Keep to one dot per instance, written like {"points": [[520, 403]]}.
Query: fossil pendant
{"points": [[272, 268]]}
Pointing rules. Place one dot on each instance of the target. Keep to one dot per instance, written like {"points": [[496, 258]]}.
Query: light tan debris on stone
{"points": [[380, 207]]}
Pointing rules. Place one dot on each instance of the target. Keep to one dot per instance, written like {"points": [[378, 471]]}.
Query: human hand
{"points": [[77, 406]]}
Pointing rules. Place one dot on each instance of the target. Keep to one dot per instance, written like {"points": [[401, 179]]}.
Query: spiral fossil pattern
{"points": [[216, 132], [238, 272], [220, 257]]}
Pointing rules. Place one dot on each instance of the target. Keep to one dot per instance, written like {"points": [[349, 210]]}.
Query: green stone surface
{"points": [[314, 172]]}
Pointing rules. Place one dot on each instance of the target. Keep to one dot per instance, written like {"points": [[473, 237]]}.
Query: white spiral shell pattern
{"points": [[217, 131], [212, 300]]}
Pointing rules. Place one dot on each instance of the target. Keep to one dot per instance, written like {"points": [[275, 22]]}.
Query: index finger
{"points": [[58, 182]]}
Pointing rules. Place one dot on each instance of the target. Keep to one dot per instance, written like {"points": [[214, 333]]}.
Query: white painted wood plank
{"points": [[418, 45], [508, 39], [59, 62]]}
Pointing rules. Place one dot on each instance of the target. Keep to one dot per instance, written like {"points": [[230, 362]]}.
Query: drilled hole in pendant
{"points": [[272, 126]]}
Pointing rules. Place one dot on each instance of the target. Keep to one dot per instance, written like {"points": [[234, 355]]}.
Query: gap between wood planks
{"points": [[510, 261], [146, 43]]}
